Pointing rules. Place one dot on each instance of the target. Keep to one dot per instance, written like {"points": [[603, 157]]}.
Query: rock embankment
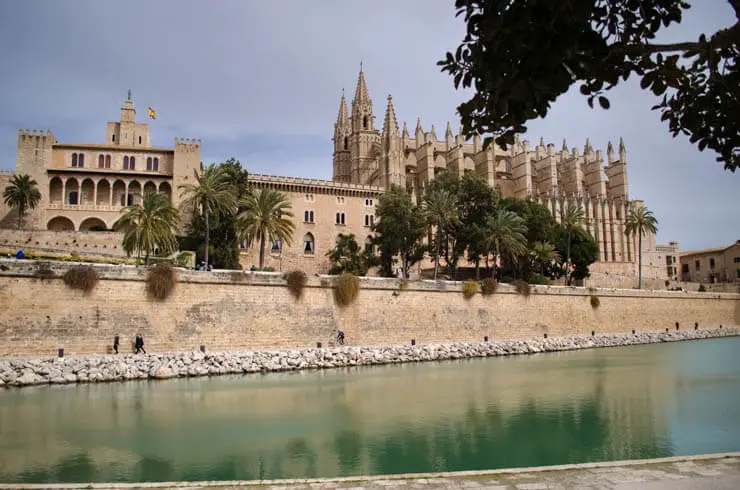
{"points": [[92, 369]]}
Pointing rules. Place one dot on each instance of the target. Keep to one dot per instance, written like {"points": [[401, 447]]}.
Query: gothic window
{"points": [[305, 216], [107, 161], [310, 217], [132, 163], [149, 163], [125, 163], [101, 161], [340, 218], [308, 244], [364, 122], [155, 167], [74, 159], [73, 197], [346, 142], [81, 160], [372, 220]]}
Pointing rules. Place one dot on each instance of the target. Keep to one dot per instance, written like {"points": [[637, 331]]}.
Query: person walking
{"points": [[139, 344], [116, 342]]}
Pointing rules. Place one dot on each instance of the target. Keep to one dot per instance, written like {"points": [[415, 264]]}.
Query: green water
{"points": [[608, 404]]}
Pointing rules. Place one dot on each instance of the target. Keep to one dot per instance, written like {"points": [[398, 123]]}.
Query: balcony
{"points": [[83, 207]]}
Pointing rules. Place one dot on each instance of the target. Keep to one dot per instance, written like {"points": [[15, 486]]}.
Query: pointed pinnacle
{"points": [[418, 125], [621, 144], [565, 145], [542, 141], [448, 131], [609, 148], [405, 129]]}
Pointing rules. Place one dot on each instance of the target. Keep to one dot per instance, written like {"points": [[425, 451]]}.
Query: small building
{"points": [[712, 265]]}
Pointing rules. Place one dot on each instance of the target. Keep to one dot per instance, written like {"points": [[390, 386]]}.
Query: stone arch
{"points": [[87, 192], [56, 191], [134, 193], [72, 191], [104, 193], [92, 222], [150, 188], [119, 193], [60, 223], [309, 244], [166, 189]]}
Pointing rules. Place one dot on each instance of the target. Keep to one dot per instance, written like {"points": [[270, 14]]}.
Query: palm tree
{"points": [[640, 221], [149, 225], [572, 218], [440, 211], [212, 192], [505, 234], [544, 253], [22, 194], [265, 214]]}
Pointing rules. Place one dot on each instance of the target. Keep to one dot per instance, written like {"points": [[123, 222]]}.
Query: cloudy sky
{"points": [[261, 81]]}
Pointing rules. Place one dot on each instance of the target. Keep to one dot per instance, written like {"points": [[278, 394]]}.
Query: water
{"points": [[608, 404]]}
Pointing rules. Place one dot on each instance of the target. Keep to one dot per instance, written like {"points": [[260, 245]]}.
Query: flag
{"points": [[152, 114]]}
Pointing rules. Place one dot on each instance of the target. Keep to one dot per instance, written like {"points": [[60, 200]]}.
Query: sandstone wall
{"points": [[227, 311], [59, 243]]}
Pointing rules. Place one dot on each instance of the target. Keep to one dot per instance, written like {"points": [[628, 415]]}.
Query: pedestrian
{"points": [[116, 342], [139, 344], [340, 337]]}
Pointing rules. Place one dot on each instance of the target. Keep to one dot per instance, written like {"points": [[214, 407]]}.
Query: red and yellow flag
{"points": [[152, 114]]}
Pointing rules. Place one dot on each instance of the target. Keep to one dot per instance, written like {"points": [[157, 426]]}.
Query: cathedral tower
{"points": [[342, 155], [392, 159], [364, 140]]}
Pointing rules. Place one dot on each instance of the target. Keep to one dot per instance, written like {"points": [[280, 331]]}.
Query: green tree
{"points": [[477, 202], [22, 194], [212, 192], [521, 56], [583, 250], [149, 226], [449, 183], [544, 254], [640, 221], [440, 210], [572, 218], [266, 214], [505, 234], [347, 256], [541, 227], [399, 229]]}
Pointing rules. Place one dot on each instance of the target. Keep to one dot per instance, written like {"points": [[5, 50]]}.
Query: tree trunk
{"points": [[436, 259], [405, 265], [146, 259], [567, 266], [262, 251], [208, 235], [21, 212], [639, 259]]}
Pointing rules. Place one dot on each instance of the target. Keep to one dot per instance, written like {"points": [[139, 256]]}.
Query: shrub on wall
{"points": [[702, 289], [346, 289], [296, 283], [595, 302], [488, 286], [522, 287], [82, 277], [160, 281], [470, 287]]}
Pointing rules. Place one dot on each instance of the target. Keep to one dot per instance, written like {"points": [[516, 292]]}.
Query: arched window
{"points": [[310, 217], [139, 139], [101, 161], [149, 163], [107, 161], [364, 122], [305, 216], [346, 143], [132, 163], [367, 220], [372, 220], [277, 245], [342, 216], [74, 159], [337, 218], [308, 244], [125, 163], [156, 164], [81, 160]]}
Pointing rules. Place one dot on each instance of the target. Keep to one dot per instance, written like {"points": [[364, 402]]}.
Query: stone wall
{"points": [[57, 243], [232, 310]]}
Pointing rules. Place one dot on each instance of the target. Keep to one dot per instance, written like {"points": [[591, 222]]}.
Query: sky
{"points": [[261, 82]]}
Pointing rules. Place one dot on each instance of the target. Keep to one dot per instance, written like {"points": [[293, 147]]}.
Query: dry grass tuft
{"points": [[346, 289], [595, 302], [296, 282], [160, 281], [470, 288], [522, 287], [488, 286], [82, 277]]}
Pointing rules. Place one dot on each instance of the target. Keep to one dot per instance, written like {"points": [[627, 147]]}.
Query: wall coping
{"points": [[26, 268]]}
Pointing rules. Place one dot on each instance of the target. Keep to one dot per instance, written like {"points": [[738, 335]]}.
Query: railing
{"points": [[82, 207]]}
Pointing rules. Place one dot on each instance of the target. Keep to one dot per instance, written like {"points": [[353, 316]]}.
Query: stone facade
{"points": [[712, 265], [85, 186], [232, 311]]}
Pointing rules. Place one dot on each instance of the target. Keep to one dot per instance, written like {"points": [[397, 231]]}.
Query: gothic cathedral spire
{"points": [[362, 107]]}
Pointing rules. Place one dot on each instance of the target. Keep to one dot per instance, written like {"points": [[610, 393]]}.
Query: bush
{"points": [[488, 286], [346, 289], [595, 302], [702, 289], [522, 287], [82, 277], [43, 271], [160, 282], [469, 289], [296, 283], [541, 280]]}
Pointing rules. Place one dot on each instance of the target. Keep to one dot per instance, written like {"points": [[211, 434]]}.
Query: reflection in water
{"points": [[622, 403]]}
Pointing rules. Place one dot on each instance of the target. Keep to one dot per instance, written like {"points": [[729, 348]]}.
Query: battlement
{"points": [[313, 183], [187, 143], [35, 136]]}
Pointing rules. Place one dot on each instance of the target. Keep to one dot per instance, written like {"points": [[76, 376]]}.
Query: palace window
{"points": [[368, 202], [139, 139], [340, 200], [697, 265], [74, 159], [125, 163], [155, 167], [73, 198], [308, 197], [113, 138], [308, 216], [308, 244], [107, 161], [340, 218], [101, 161], [132, 163], [369, 220], [149, 163]]}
